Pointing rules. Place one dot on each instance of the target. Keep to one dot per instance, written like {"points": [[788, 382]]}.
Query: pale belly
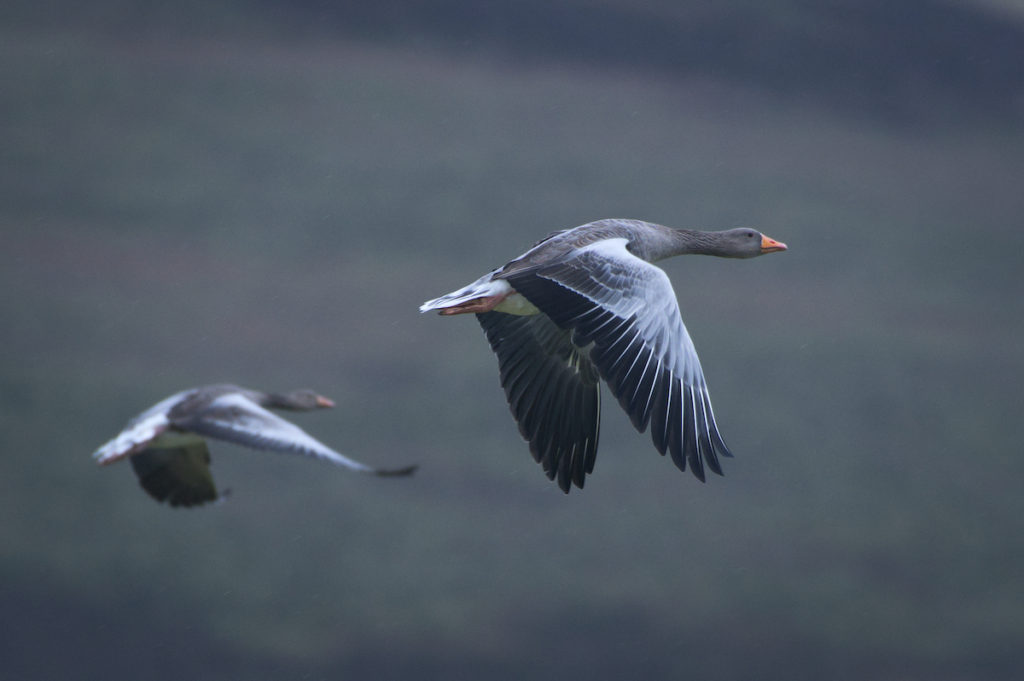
{"points": [[170, 439], [516, 304]]}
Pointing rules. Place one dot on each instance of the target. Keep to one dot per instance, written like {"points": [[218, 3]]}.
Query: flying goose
{"points": [[167, 447], [586, 304]]}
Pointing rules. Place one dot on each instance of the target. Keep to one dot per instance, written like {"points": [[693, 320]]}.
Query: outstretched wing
{"points": [[552, 390], [178, 475], [235, 418], [624, 310]]}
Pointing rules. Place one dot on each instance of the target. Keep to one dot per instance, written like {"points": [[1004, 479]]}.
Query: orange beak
{"points": [[769, 245], [324, 402]]}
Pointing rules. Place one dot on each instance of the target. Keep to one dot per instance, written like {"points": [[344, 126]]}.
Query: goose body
{"points": [[166, 444], [587, 304]]}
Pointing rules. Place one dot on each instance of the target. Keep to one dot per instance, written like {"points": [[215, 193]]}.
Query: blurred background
{"points": [[263, 193]]}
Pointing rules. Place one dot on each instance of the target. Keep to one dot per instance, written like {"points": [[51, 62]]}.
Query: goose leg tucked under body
{"points": [[586, 303], [167, 443]]}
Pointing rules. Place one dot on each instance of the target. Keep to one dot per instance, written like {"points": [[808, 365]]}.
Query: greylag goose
{"points": [[586, 303], [167, 447]]}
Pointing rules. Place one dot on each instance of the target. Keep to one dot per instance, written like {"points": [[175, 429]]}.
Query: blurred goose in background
{"points": [[586, 303], [167, 447]]}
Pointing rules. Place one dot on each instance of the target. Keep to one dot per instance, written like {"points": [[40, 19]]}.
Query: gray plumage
{"points": [[587, 303], [167, 443]]}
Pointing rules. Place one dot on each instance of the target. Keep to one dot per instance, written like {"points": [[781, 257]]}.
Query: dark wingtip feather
{"points": [[716, 437], [552, 390], [396, 472], [712, 462], [690, 446], [707, 449]]}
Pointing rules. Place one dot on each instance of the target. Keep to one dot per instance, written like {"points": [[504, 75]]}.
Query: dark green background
{"points": [[264, 193]]}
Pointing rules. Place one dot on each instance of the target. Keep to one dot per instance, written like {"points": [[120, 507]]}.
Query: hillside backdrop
{"points": [[264, 193]]}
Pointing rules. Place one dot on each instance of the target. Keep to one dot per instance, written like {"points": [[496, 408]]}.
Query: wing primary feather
{"points": [[550, 425], [704, 434], [645, 387], [659, 411], [551, 388], [605, 333], [620, 357], [625, 369], [675, 425], [690, 434], [716, 437], [580, 436], [592, 405]]}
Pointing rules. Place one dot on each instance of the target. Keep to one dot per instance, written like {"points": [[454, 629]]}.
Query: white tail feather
{"points": [[131, 439], [484, 286]]}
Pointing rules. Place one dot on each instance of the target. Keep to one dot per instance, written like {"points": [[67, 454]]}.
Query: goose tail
{"points": [[483, 287]]}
